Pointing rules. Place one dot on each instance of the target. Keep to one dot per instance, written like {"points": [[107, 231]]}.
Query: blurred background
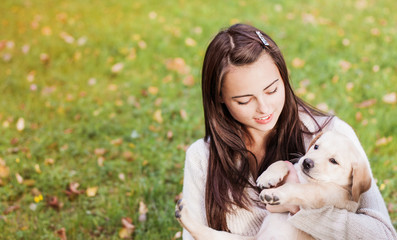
{"points": [[100, 99]]}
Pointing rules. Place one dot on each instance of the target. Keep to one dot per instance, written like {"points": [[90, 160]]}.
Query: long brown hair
{"points": [[230, 163]]}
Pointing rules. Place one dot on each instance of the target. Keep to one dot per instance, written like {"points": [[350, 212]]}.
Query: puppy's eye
{"points": [[333, 161], [315, 147]]}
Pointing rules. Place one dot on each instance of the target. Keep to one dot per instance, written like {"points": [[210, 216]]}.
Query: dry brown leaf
{"points": [[169, 135], [188, 81], [72, 190], [178, 65], [366, 103], [383, 141], [53, 202], [61, 233], [10, 209], [117, 141], [99, 151]]}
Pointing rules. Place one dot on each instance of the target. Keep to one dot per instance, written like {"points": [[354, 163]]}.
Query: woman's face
{"points": [[254, 94]]}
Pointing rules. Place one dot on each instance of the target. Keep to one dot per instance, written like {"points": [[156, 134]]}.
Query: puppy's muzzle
{"points": [[307, 163]]}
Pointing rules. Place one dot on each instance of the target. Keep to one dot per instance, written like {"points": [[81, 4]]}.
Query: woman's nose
{"points": [[262, 106]]}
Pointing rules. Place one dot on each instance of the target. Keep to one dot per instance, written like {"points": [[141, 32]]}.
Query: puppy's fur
{"points": [[331, 173]]}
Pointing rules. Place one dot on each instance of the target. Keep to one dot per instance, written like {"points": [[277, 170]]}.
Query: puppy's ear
{"points": [[361, 180]]}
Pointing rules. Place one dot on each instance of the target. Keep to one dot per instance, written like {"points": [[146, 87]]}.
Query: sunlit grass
{"points": [[89, 75]]}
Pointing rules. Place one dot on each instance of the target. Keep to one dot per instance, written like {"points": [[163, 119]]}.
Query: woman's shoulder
{"points": [[197, 154]]}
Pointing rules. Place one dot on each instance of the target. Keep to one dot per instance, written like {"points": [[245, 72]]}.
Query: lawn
{"points": [[100, 99]]}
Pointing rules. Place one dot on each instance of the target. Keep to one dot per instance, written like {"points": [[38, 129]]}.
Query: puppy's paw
{"points": [[178, 209], [270, 197], [268, 180], [273, 176]]}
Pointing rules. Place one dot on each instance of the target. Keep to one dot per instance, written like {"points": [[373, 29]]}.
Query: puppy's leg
{"points": [[199, 231], [273, 175], [310, 195]]}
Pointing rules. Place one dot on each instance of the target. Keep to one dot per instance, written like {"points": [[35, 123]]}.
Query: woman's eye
{"points": [[274, 91], [243, 103]]}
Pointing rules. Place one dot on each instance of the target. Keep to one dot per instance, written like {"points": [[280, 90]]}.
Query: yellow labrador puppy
{"points": [[331, 173]]}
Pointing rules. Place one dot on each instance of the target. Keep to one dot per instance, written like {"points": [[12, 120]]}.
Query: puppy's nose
{"points": [[308, 163]]}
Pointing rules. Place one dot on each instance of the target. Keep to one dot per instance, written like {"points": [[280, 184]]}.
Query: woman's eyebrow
{"points": [[249, 95]]}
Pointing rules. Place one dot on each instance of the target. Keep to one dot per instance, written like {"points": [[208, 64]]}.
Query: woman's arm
{"points": [[196, 163]]}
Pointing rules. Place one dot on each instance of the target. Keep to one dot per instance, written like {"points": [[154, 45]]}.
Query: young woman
{"points": [[252, 119]]}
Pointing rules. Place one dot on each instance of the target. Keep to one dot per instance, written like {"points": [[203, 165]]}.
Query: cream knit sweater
{"points": [[371, 221]]}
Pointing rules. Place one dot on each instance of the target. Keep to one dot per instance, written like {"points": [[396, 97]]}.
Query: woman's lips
{"points": [[264, 120]]}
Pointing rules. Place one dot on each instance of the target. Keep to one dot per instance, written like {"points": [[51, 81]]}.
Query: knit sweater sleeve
{"points": [[195, 177], [371, 221]]}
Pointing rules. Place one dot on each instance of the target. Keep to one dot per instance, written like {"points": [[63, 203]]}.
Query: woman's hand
{"points": [[292, 177]]}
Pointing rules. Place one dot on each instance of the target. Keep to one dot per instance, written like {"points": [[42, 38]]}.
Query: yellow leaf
{"points": [[37, 168], [91, 192], [153, 90], [298, 63], [4, 171], [157, 116], [190, 42]]}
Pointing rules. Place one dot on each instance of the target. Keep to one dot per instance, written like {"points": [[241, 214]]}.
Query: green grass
{"points": [[68, 115]]}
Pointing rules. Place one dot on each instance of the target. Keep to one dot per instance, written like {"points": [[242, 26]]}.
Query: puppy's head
{"points": [[332, 157]]}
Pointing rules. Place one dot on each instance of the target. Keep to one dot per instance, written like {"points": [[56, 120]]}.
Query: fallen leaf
{"points": [[122, 177], [142, 211], [188, 81], [91, 191], [157, 116], [178, 65], [61, 233], [45, 58], [153, 90], [366, 103], [190, 42], [53, 202], [390, 98], [169, 135], [72, 190], [383, 141], [10, 209], [4, 171], [20, 124], [99, 151], [19, 178], [345, 65], [183, 114], [116, 68], [298, 63], [128, 228], [117, 141]]}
